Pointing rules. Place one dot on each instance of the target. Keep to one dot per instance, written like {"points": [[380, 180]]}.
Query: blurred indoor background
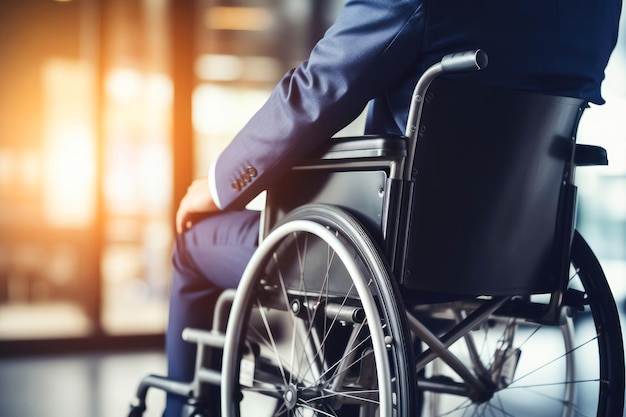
{"points": [[108, 109]]}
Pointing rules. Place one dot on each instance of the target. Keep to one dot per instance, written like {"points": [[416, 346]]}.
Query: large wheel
{"points": [[317, 327], [568, 370]]}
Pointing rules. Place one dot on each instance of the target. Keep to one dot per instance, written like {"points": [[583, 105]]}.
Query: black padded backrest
{"points": [[492, 200]]}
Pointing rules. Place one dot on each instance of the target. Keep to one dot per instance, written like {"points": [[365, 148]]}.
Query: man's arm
{"points": [[370, 49]]}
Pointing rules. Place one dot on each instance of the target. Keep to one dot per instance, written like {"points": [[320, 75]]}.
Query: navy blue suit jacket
{"points": [[377, 49]]}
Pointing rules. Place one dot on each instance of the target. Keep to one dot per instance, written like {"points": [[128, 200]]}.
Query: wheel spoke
{"points": [[272, 341], [549, 362], [312, 313], [361, 396]]}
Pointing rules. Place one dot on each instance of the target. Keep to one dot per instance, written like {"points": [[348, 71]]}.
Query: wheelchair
{"points": [[437, 273]]}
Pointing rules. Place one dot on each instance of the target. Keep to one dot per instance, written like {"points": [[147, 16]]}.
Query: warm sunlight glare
{"points": [[69, 150], [124, 85], [69, 177], [137, 163], [239, 18]]}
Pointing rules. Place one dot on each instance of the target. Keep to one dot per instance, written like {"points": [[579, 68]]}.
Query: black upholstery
{"points": [[493, 198]]}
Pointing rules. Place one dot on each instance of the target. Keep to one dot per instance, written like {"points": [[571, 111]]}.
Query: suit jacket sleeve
{"points": [[371, 47]]}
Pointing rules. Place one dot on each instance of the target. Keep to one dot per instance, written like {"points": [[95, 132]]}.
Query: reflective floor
{"points": [[84, 385], [87, 385]]}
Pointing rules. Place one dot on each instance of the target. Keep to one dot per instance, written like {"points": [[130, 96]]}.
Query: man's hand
{"points": [[197, 200]]}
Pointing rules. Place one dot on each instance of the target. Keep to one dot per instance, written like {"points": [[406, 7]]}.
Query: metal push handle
{"points": [[474, 60], [464, 61]]}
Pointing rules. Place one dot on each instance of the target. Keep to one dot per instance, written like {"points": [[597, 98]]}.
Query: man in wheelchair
{"points": [[374, 54]]}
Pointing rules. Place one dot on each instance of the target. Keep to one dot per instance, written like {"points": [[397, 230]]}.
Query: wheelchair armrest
{"points": [[367, 146], [590, 155]]}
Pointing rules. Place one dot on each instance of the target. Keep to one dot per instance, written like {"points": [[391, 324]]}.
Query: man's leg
{"points": [[209, 257]]}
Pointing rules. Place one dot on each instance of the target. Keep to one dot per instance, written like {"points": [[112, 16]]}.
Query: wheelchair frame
{"points": [[386, 165]]}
